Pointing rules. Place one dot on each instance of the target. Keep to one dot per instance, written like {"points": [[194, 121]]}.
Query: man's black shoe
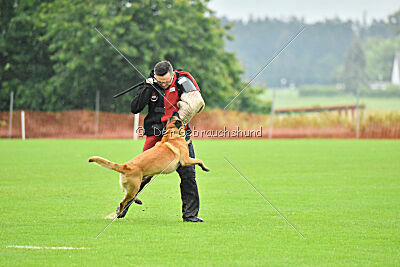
{"points": [[193, 219], [122, 215]]}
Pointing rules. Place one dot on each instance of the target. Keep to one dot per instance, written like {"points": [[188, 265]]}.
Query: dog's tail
{"points": [[109, 165]]}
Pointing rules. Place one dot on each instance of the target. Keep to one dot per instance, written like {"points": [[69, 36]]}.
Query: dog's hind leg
{"points": [[131, 187], [123, 208]]}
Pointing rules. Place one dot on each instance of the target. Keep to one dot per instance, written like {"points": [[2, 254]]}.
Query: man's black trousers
{"points": [[189, 191]]}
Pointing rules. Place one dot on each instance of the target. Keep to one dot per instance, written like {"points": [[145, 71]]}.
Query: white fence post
{"points": [[135, 126], [11, 114], [23, 124], [271, 123], [358, 115], [96, 126]]}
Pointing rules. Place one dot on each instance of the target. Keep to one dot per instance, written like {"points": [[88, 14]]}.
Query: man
{"points": [[165, 91]]}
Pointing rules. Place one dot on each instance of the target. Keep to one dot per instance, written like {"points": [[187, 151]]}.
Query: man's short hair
{"points": [[162, 67]]}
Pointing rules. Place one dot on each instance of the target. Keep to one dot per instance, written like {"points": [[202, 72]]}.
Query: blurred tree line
{"points": [[320, 54], [53, 59]]}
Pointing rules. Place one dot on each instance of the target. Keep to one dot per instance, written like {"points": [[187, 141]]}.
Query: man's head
{"points": [[164, 74]]}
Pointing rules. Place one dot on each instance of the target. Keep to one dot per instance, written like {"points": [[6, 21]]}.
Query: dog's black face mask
{"points": [[176, 114], [178, 124]]}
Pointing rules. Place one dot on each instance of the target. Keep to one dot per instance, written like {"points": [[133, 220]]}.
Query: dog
{"points": [[165, 157]]}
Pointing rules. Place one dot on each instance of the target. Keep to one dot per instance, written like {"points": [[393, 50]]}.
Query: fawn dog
{"points": [[165, 157]]}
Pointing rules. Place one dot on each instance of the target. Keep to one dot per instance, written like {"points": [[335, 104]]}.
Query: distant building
{"points": [[396, 69], [381, 85]]}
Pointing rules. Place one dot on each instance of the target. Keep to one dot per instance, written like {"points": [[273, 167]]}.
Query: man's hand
{"points": [[141, 98], [150, 81]]}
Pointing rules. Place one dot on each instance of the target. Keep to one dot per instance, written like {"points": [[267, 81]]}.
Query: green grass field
{"points": [[343, 195], [291, 99]]}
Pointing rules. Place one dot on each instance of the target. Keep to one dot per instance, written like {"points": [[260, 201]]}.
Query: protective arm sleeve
{"points": [[191, 103], [141, 98]]}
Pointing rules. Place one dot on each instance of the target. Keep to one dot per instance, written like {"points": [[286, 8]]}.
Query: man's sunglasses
{"points": [[160, 82]]}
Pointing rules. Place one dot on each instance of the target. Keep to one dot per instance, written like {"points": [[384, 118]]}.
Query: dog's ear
{"points": [[178, 124], [176, 114]]}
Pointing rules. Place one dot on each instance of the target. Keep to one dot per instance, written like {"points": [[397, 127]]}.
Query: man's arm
{"points": [[141, 98], [191, 101]]}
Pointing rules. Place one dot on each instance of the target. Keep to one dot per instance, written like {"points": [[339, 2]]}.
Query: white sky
{"points": [[310, 10]]}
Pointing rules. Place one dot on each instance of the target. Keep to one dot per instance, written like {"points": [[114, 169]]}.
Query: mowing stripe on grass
{"points": [[53, 248]]}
